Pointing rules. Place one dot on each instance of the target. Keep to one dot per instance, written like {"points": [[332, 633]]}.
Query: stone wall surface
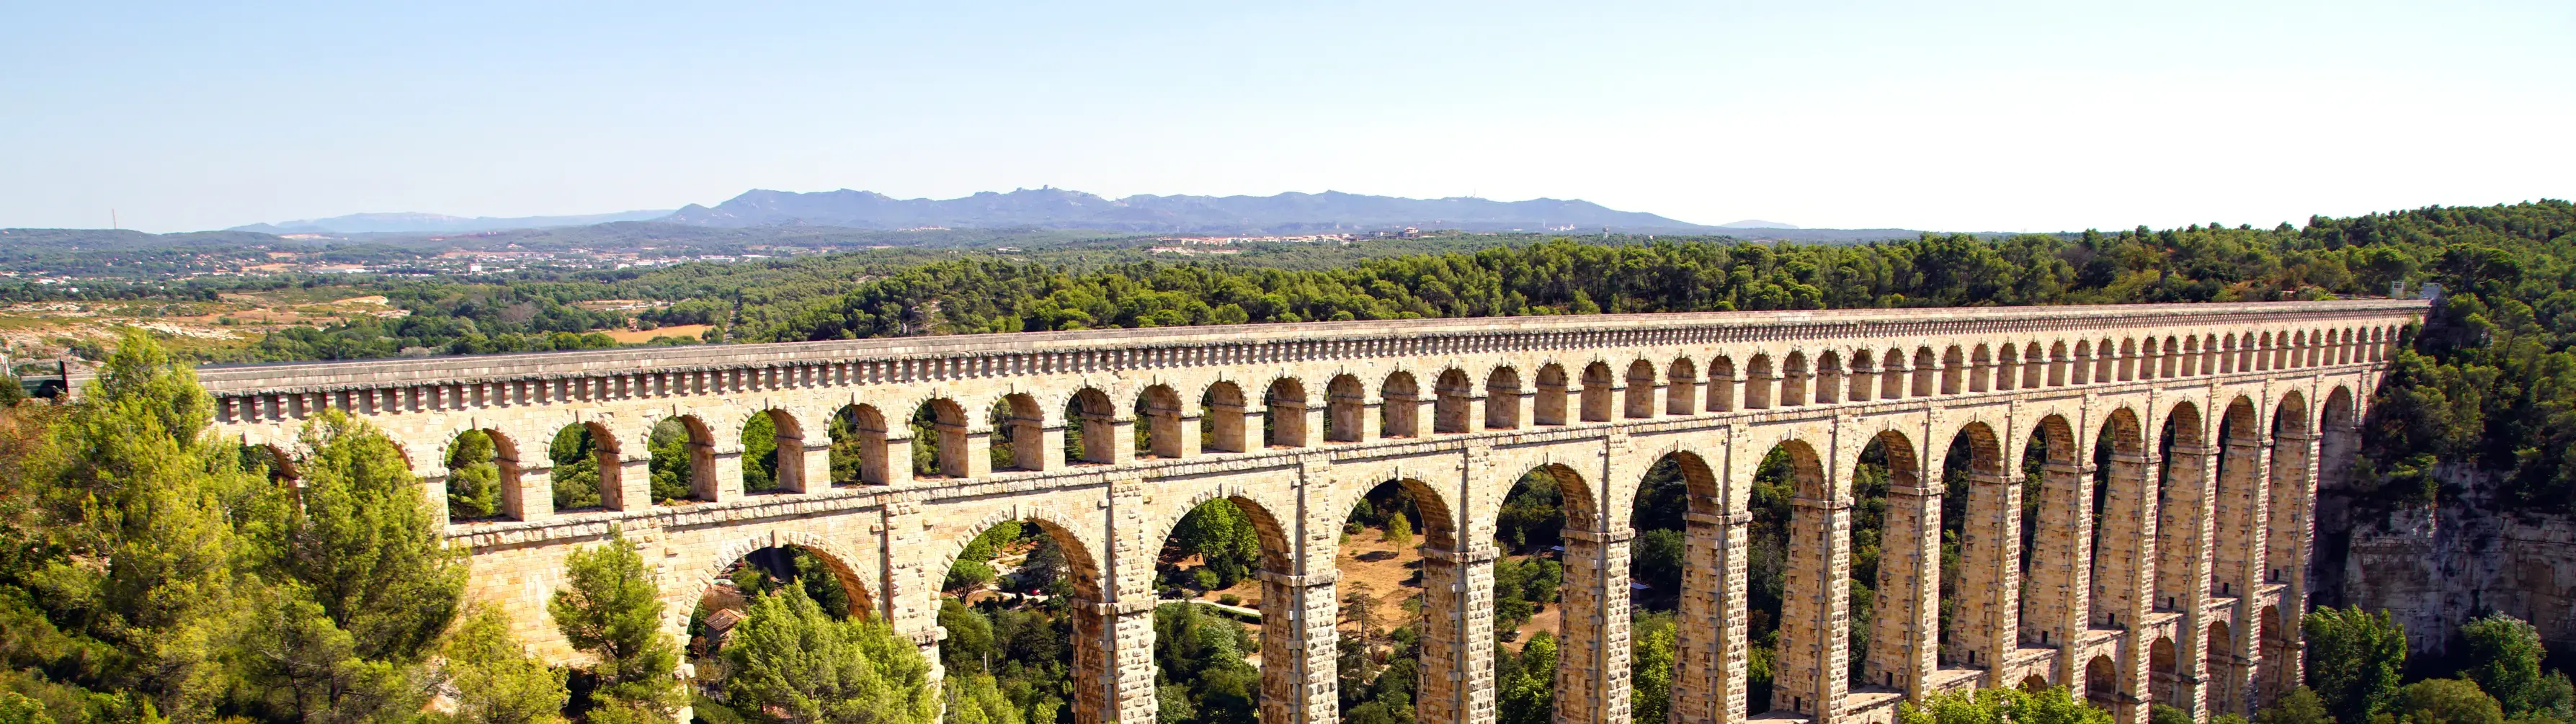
{"points": [[2434, 567], [2220, 405]]}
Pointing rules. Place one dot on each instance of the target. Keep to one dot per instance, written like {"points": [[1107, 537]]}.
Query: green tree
{"points": [[136, 505], [673, 468], [2504, 659], [1399, 531], [576, 473], [2302, 706], [492, 678], [473, 479], [359, 537], [2443, 701], [1650, 668], [1528, 695], [2353, 660], [974, 698], [2054, 705], [610, 608], [794, 663]]}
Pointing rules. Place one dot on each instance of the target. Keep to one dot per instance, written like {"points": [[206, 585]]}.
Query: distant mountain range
{"points": [[416, 223], [1063, 209], [1054, 208]]}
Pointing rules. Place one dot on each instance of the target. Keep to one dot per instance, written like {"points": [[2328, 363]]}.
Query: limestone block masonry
{"points": [[2188, 594]]}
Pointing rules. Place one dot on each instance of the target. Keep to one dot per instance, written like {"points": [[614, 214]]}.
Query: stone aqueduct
{"points": [[2221, 419]]}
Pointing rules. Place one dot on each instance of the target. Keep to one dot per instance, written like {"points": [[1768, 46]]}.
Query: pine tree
{"points": [[790, 657], [1399, 531], [359, 537], [473, 479], [611, 609], [2504, 659], [1650, 669], [493, 680], [2353, 660]]}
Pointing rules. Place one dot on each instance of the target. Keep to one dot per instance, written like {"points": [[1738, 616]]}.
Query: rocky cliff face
{"points": [[2439, 565]]}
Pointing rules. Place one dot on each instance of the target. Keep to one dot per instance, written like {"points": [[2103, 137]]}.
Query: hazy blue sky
{"points": [[2001, 116]]}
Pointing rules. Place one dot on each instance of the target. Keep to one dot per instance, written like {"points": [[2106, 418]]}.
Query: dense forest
{"points": [[150, 574]]}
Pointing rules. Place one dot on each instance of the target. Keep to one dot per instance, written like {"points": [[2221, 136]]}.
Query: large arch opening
{"points": [[1980, 536], [2164, 674], [2288, 503], [858, 452], [773, 453], [482, 476], [1019, 429], [2338, 447], [1221, 410], [1794, 501], [2179, 491], [939, 440], [2102, 683], [1207, 570], [2240, 482], [1677, 502], [2122, 527], [1389, 555], [2054, 532], [1894, 549], [1019, 602], [683, 464], [585, 466], [780, 587], [1548, 532], [1090, 428]]}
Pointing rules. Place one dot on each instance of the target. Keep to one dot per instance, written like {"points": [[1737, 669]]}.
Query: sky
{"points": [[1994, 116]]}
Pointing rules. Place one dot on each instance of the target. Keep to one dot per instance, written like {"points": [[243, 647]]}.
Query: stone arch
{"points": [[1549, 408], [1793, 380], [1400, 409], [1277, 555], [2033, 683], [1158, 411], [2106, 362], [1019, 433], [1455, 402], [1953, 372], [2123, 527], [1222, 408], [1863, 376], [2220, 656], [2164, 673], [1892, 383], [2209, 354], [946, 421], [1091, 428], [2036, 367], [784, 467], [1639, 402], [2102, 683], [1925, 368], [1503, 399], [2057, 535], [2007, 368], [2245, 352], [1596, 392], [700, 444], [1816, 596], [2081, 371], [2190, 364], [1828, 378], [2289, 500], [591, 442], [1982, 511], [1681, 386], [2181, 490], [2279, 655], [1721, 384], [1083, 567], [2238, 546], [1284, 413], [1284, 638], [1909, 568], [863, 601], [858, 446], [1345, 400], [1759, 383], [2128, 367], [2058, 361], [507, 497], [2169, 364]]}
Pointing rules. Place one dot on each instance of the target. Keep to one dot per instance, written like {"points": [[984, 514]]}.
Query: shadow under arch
{"points": [[2233, 572], [1812, 598], [1899, 504], [2055, 500], [2181, 485], [1981, 515], [2122, 524]]}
